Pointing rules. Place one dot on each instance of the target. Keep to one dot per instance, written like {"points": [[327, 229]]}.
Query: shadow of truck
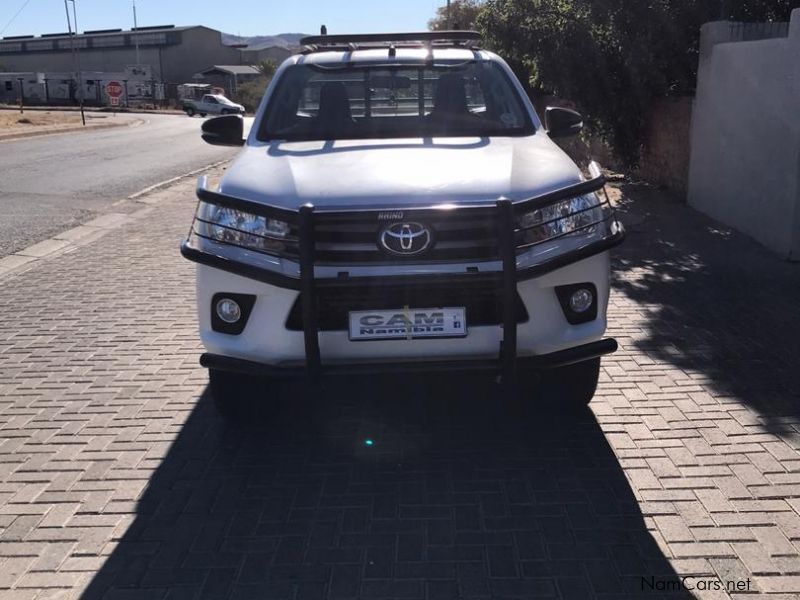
{"points": [[404, 488]]}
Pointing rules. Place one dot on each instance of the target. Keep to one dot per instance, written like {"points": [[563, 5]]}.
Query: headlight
{"points": [[582, 215], [233, 226]]}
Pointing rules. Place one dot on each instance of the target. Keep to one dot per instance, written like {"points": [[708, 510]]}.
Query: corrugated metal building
{"points": [[228, 77], [174, 54]]}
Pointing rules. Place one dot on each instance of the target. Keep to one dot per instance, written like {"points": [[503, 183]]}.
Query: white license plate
{"points": [[408, 323]]}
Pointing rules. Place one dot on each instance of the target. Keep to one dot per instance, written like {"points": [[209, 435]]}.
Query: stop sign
{"points": [[114, 89]]}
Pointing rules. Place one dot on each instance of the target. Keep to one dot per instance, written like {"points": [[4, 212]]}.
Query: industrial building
{"points": [[228, 77], [31, 65]]}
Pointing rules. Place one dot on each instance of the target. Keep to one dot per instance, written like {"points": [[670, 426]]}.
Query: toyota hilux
{"points": [[398, 205]]}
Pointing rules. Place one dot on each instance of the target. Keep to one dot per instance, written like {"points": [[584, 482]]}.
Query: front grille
{"points": [[352, 239], [483, 302]]}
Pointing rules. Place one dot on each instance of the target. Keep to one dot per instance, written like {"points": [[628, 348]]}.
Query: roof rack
{"points": [[461, 38]]}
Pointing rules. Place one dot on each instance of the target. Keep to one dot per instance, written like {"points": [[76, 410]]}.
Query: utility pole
{"points": [[449, 20], [136, 36], [75, 55]]}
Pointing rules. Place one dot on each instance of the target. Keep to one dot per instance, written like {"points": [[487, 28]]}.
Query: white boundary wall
{"points": [[745, 143]]}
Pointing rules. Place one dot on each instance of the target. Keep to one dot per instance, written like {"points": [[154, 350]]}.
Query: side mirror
{"points": [[224, 131], [562, 122]]}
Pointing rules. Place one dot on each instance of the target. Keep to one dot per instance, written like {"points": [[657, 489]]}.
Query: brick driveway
{"points": [[117, 479]]}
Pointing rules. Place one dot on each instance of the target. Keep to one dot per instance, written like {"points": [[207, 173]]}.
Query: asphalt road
{"points": [[49, 184]]}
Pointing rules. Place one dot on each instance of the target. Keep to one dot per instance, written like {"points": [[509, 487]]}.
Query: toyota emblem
{"points": [[405, 239]]}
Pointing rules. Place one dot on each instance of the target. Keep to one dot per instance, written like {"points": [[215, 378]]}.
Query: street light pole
{"points": [[78, 56], [75, 56], [136, 37]]}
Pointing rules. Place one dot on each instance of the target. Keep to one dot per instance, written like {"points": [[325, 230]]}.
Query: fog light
{"points": [[581, 301], [229, 311]]}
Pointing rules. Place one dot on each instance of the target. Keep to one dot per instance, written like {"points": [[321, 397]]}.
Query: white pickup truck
{"points": [[399, 206], [212, 104]]}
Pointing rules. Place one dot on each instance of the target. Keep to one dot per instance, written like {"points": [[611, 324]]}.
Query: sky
{"points": [[242, 17]]}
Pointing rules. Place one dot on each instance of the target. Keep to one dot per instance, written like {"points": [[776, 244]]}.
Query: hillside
{"points": [[287, 40]]}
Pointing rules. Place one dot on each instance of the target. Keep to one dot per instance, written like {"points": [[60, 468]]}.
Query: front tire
{"points": [[190, 112], [571, 387]]}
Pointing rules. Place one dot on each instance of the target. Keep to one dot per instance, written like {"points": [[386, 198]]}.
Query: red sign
{"points": [[114, 89]]}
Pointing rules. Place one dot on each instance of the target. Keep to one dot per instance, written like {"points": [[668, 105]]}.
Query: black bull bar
{"points": [[507, 280]]}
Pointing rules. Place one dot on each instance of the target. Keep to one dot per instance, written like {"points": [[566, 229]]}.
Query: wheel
{"points": [[190, 112], [571, 387], [235, 395], [203, 115]]}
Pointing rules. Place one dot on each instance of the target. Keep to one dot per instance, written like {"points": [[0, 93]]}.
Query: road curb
{"points": [[77, 128], [103, 109], [86, 233], [137, 197]]}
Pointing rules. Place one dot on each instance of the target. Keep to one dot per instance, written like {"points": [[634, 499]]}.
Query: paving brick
{"points": [[118, 480], [756, 559], [345, 581], [428, 570], [674, 529], [760, 506], [11, 569], [774, 542], [723, 534], [392, 589], [51, 558], [781, 584], [749, 475], [713, 500], [20, 527], [643, 479], [501, 561], [42, 580], [702, 550]]}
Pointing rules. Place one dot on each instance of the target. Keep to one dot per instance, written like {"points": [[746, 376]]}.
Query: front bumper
{"points": [[553, 360]]}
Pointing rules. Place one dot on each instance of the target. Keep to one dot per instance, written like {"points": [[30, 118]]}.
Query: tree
{"points": [[267, 68], [612, 57], [463, 15], [249, 94]]}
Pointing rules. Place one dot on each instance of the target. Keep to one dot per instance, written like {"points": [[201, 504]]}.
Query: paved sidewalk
{"points": [[118, 481]]}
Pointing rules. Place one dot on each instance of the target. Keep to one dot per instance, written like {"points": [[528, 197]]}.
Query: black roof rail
{"points": [[424, 38]]}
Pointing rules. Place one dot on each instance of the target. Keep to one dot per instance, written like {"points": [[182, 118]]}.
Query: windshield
{"points": [[379, 101]]}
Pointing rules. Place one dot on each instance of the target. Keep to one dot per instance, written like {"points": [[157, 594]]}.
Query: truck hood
{"points": [[398, 172]]}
